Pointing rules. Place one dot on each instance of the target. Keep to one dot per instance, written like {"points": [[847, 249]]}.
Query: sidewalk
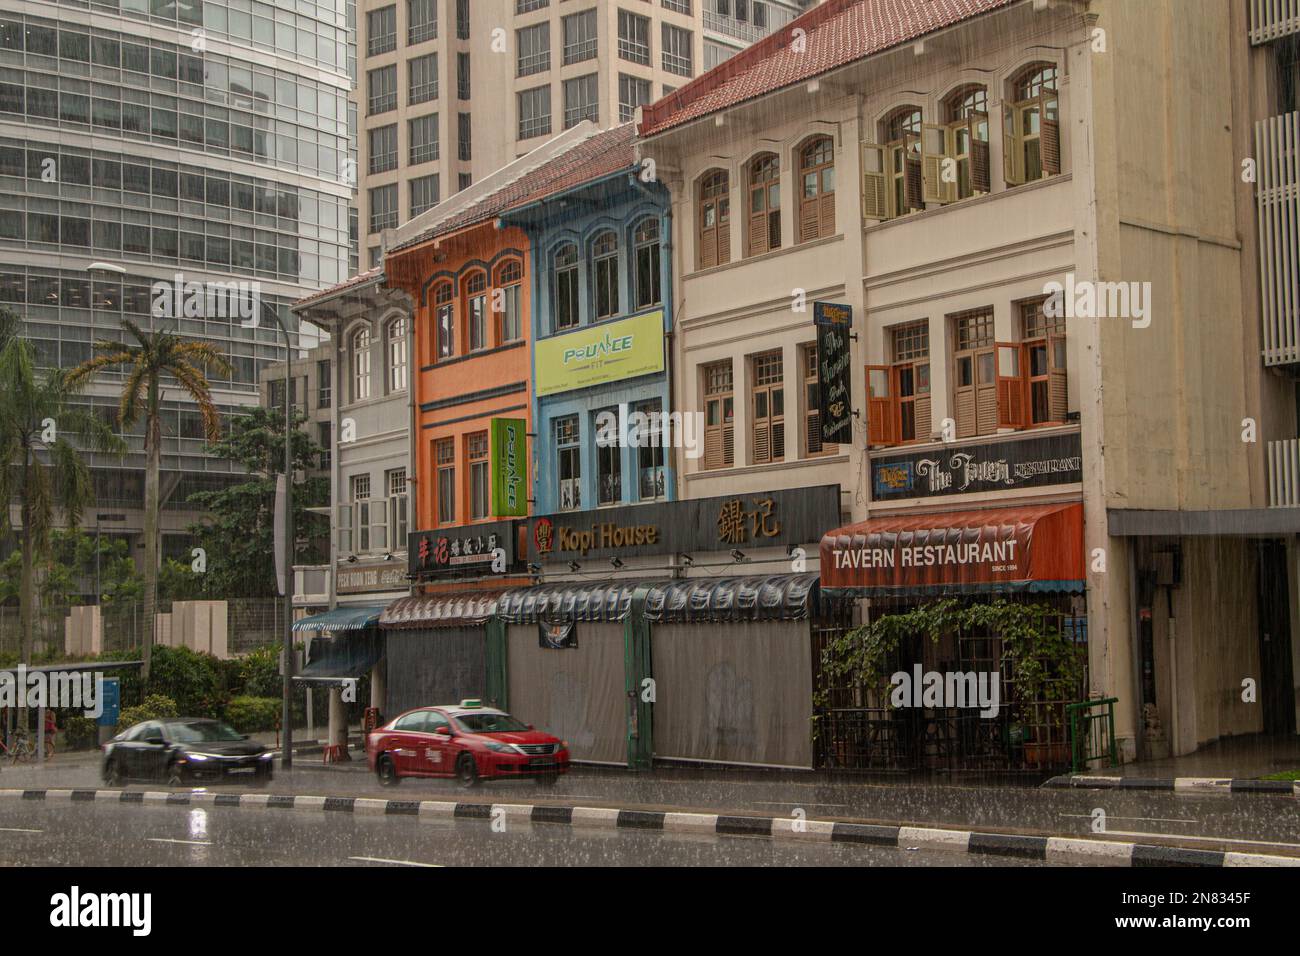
{"points": [[1244, 761]]}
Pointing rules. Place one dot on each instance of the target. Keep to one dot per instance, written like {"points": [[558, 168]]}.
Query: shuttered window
{"points": [[767, 402], [476, 310], [905, 176], [764, 204], [813, 444], [568, 463], [566, 287], [898, 395], [975, 373], [968, 125], [445, 317], [648, 271], [1043, 342], [719, 416], [445, 456], [713, 214], [604, 255], [506, 301], [476, 453], [1031, 127], [817, 189]]}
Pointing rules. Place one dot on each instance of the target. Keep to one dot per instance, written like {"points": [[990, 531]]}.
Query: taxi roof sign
{"points": [[471, 702]]}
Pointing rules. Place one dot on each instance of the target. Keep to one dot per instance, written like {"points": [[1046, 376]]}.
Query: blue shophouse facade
{"points": [[602, 273]]}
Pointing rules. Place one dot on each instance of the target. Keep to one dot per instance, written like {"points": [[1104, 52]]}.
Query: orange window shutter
{"points": [[881, 410]]}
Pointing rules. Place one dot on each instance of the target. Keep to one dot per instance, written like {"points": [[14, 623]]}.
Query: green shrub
{"points": [[257, 673], [250, 715], [81, 733], [155, 706]]}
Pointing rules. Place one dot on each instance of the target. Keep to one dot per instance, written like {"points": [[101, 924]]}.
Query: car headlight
{"points": [[501, 748], [197, 757], [266, 756]]}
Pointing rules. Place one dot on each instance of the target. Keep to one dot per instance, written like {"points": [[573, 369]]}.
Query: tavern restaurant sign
{"points": [[987, 466]]}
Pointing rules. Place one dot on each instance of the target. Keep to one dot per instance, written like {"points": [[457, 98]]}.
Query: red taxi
{"points": [[467, 741]]}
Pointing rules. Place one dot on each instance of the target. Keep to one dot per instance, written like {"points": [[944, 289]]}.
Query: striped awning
{"points": [[779, 597], [341, 619], [440, 610]]}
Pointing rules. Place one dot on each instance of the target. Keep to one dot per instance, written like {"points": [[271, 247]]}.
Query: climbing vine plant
{"points": [[1037, 653]]}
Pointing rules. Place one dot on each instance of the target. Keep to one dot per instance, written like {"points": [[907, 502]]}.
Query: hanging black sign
{"points": [[834, 323], [1055, 459], [558, 636]]}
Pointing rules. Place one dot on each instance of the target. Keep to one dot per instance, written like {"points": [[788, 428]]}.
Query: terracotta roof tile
{"points": [[600, 155], [361, 278], [838, 32]]}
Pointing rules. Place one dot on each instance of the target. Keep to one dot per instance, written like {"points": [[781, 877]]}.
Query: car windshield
{"points": [[488, 723], [201, 731]]}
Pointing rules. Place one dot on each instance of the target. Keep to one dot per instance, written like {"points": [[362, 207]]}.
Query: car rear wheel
{"points": [[386, 771], [467, 772]]}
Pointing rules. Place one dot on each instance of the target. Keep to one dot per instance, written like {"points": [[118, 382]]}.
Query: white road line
{"points": [[185, 842], [1201, 839], [789, 803], [1115, 816], [380, 859], [18, 830]]}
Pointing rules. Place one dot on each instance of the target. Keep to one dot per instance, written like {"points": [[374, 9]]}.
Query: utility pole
{"points": [[286, 704]]}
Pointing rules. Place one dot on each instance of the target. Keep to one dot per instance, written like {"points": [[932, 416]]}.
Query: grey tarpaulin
{"points": [[736, 694], [426, 666], [779, 597], [575, 693], [439, 610], [345, 654]]}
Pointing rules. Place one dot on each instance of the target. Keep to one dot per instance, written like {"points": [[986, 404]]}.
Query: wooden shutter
{"points": [[713, 446], [728, 444], [757, 229], [809, 217], [912, 181], [724, 230], [1013, 160], [979, 156], [924, 425], [986, 391], [1012, 363], [936, 150], [1057, 392], [1050, 141], [882, 415], [875, 182], [964, 396], [708, 237], [826, 214]]}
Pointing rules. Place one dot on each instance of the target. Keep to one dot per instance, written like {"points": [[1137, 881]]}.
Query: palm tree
{"points": [[153, 356], [42, 468]]}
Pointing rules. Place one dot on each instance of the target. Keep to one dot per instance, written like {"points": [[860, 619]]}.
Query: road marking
{"points": [[380, 859], [1114, 816], [18, 830], [787, 803], [1202, 839], [185, 842]]}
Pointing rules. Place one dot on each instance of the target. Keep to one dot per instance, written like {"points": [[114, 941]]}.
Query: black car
{"points": [[182, 750]]}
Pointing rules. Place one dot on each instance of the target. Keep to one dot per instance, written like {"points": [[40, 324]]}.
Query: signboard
{"points": [[487, 548], [509, 467], [389, 576], [754, 520], [834, 412], [600, 353], [988, 466], [111, 697], [557, 636]]}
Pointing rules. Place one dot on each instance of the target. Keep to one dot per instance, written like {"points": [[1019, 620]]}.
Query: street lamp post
{"points": [[286, 704]]}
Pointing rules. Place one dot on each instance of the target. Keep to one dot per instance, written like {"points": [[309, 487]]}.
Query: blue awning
{"points": [[342, 619]]}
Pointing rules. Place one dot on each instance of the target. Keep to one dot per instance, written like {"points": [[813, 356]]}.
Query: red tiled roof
{"points": [[361, 278], [838, 32], [599, 155]]}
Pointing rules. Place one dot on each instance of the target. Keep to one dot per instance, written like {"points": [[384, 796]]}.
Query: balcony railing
{"points": [[1271, 19], [1284, 473], [732, 27], [1277, 150]]}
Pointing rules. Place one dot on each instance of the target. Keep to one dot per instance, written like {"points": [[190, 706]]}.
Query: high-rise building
{"points": [[449, 91], [145, 139]]}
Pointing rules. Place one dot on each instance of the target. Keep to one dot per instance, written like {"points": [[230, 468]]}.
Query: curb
{"points": [[1224, 786], [1078, 850]]}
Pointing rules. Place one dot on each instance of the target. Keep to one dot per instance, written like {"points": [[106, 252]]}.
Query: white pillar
{"points": [[338, 728]]}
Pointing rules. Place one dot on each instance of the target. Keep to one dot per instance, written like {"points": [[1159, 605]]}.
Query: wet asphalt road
{"points": [[1253, 823], [94, 835]]}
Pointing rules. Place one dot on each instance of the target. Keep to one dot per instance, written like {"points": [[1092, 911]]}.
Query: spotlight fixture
{"points": [[616, 562], [388, 556], [685, 559], [534, 568], [352, 559], [737, 554], [574, 566]]}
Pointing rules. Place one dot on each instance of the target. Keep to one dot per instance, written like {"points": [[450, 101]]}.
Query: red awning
{"points": [[1028, 548]]}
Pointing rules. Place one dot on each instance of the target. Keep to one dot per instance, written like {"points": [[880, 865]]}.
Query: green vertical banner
{"points": [[509, 467]]}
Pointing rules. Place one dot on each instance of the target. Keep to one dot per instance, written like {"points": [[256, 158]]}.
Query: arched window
{"points": [[903, 141], [713, 216], [510, 276], [566, 287], [967, 131], [395, 348], [1031, 126], [817, 189], [604, 263], [360, 349], [476, 309], [648, 271], [763, 174], [444, 320]]}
